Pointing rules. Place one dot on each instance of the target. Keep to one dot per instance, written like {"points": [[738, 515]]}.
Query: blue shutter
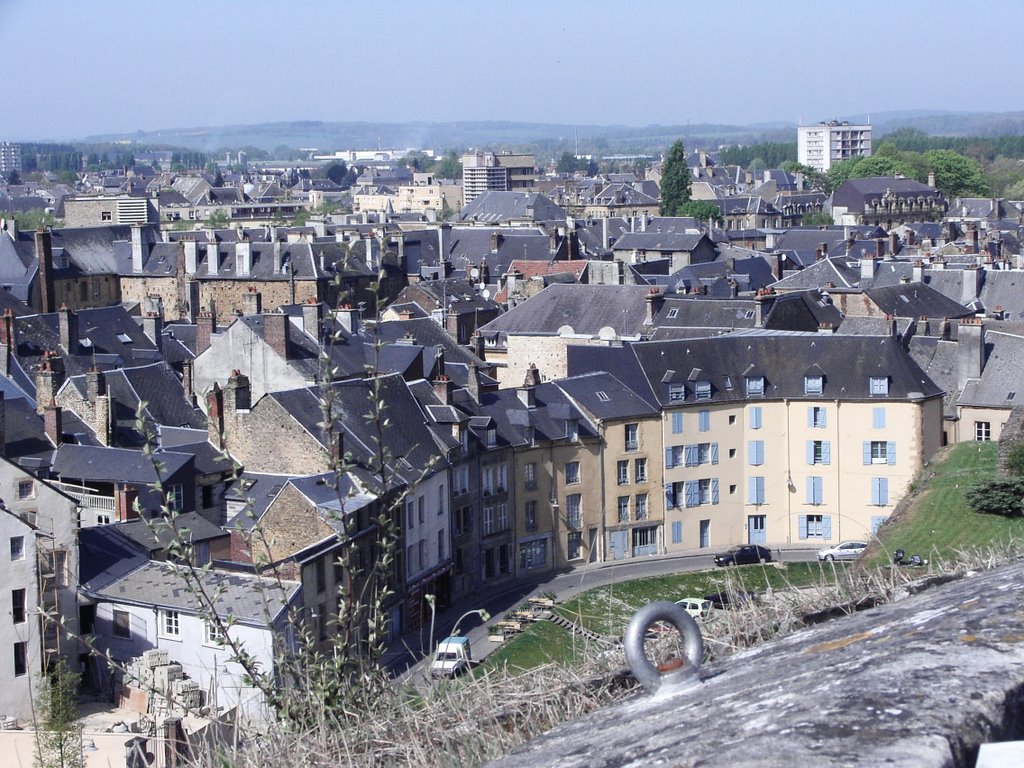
{"points": [[875, 491], [670, 497], [824, 418], [760, 489], [691, 456], [668, 458], [802, 526], [867, 452], [714, 490], [752, 453], [891, 451], [692, 493], [809, 494], [677, 532], [755, 417], [714, 453], [883, 491], [876, 522], [878, 418], [752, 490], [826, 452], [810, 451], [810, 416], [677, 423], [705, 421], [826, 526]]}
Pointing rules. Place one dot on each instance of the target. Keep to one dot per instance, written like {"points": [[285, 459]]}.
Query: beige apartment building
{"points": [[423, 195]]}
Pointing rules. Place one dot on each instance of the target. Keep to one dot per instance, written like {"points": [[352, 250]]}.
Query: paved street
{"points": [[405, 657]]}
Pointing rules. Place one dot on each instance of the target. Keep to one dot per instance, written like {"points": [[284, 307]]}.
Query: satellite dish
{"points": [[474, 273], [486, 293]]}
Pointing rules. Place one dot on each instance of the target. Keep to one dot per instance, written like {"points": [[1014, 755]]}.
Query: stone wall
{"points": [[1011, 436]]}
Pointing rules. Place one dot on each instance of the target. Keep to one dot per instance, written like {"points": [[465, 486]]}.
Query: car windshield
{"points": [[447, 656]]}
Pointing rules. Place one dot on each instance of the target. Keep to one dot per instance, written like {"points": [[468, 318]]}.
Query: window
{"points": [[879, 452], [572, 473], [122, 624], [488, 480], [673, 456], [18, 605], [878, 418], [622, 472], [410, 561], [502, 477], [28, 515], [60, 567], [878, 386], [813, 385], [623, 507], [573, 510], [819, 452], [106, 215], [756, 415], [441, 497], [423, 552], [640, 470], [674, 493], [677, 532], [879, 491], [26, 489], [170, 624], [755, 490], [983, 431], [677, 423], [440, 545], [533, 554], [491, 438], [755, 385], [632, 437], [421, 509], [704, 420], [17, 547], [321, 575], [755, 453], [488, 521], [410, 514], [676, 393], [814, 490], [641, 506], [703, 491], [215, 636], [503, 517], [816, 418], [530, 476], [602, 396], [574, 545], [530, 516], [175, 498], [672, 313], [815, 527], [572, 430], [20, 659], [703, 390]]}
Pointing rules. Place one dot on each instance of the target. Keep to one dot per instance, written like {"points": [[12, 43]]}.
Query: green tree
{"points": [[814, 178], [218, 219], [816, 219], [1015, 191], [33, 219], [14, 177], [567, 163], [675, 180], [701, 210], [448, 167], [218, 179], [884, 165], [956, 175], [336, 172], [58, 739], [1003, 496], [842, 171]]}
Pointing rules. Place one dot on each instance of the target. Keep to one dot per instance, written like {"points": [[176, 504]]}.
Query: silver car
{"points": [[848, 550]]}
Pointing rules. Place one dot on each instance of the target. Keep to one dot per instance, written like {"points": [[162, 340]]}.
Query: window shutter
{"points": [[677, 532], [752, 453], [826, 452], [692, 493], [755, 417], [826, 526], [705, 421], [802, 526], [690, 453], [810, 451], [891, 451], [875, 491], [876, 523], [878, 418], [668, 458], [810, 416], [670, 497], [714, 490], [824, 418], [867, 452], [677, 423], [752, 491], [760, 489], [883, 491], [714, 453], [809, 496]]}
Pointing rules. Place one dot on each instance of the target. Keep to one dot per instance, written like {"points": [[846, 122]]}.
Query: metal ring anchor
{"points": [[650, 676]]}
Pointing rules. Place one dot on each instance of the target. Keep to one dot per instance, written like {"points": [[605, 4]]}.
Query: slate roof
{"points": [[552, 409], [802, 311], [254, 491], [713, 315], [102, 464], [853, 193], [836, 271], [156, 535], [91, 249], [604, 397], [587, 308], [1001, 378], [658, 241], [247, 599], [915, 300], [494, 207]]}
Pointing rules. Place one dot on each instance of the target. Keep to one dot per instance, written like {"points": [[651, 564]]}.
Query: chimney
{"points": [[212, 256], [5, 360], [371, 259], [205, 326], [138, 248], [277, 256], [49, 378], [476, 345], [918, 271], [473, 382], [867, 265], [44, 255], [825, 329], [496, 240], [762, 305], [215, 415], [970, 350], [188, 384], [101, 419], [252, 302], [53, 424], [655, 299], [972, 239], [971, 284], [192, 300], [153, 327], [817, 254], [312, 317], [526, 393], [243, 257], [3, 426], [7, 329], [443, 237], [348, 318], [95, 384], [275, 332], [238, 393], [125, 500], [604, 233], [879, 249], [192, 254], [443, 389], [931, 179], [67, 325], [894, 243], [451, 322], [402, 265]]}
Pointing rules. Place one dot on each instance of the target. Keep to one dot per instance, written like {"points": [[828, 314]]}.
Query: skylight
{"points": [[603, 397]]}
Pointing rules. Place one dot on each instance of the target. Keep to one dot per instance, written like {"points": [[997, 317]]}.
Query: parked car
{"points": [[848, 550], [697, 607], [731, 599], [744, 554]]}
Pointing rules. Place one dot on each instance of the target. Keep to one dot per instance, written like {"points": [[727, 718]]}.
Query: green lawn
{"points": [[541, 643], [939, 522]]}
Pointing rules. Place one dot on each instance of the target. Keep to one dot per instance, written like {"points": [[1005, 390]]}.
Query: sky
{"points": [[74, 68]]}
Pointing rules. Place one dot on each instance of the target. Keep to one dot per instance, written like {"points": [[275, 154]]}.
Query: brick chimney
{"points": [[3, 426], [95, 384], [763, 302], [125, 499], [237, 394], [49, 378], [205, 327], [188, 385], [879, 249], [473, 382], [894, 243], [53, 424], [7, 329], [655, 299], [275, 332], [44, 255], [970, 350], [526, 393], [252, 302], [67, 327], [215, 415]]}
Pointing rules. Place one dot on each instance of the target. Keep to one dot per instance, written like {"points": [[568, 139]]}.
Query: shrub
{"points": [[1004, 496]]}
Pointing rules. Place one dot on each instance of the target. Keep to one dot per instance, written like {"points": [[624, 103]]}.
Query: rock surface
{"points": [[919, 682]]}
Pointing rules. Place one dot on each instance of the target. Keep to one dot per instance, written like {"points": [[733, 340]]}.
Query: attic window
{"points": [[87, 343], [672, 313], [748, 314], [879, 385], [603, 397], [703, 390], [755, 385], [124, 338], [813, 385], [1011, 395], [676, 393], [727, 380]]}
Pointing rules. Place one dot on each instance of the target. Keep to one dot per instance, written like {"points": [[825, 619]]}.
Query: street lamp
{"points": [[484, 616]]}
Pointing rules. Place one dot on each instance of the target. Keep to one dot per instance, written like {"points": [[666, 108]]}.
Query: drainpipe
{"points": [[602, 522]]}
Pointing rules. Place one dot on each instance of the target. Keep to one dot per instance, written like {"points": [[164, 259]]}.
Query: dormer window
{"points": [[676, 393], [813, 385], [572, 429], [703, 390], [492, 438], [879, 386], [755, 385]]}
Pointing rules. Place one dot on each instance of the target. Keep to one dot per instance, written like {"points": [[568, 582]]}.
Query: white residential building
{"points": [[821, 146]]}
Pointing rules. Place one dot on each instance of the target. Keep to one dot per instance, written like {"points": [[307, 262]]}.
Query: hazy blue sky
{"points": [[78, 67]]}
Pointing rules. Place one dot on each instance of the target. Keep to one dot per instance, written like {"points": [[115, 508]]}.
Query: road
{"points": [[405, 660]]}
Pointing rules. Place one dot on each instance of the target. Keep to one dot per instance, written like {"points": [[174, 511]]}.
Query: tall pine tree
{"points": [[675, 180]]}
